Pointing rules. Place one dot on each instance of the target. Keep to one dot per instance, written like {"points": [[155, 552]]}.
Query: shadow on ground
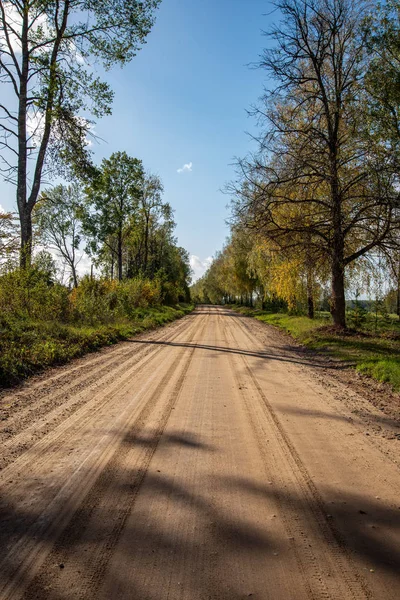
{"points": [[157, 551]]}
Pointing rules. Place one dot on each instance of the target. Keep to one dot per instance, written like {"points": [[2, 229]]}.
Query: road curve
{"points": [[205, 461]]}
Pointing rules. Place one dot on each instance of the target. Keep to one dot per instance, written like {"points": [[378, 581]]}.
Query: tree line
{"points": [[318, 200], [49, 52], [120, 215]]}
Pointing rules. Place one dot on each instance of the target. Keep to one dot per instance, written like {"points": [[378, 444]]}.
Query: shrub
{"points": [[31, 293]]}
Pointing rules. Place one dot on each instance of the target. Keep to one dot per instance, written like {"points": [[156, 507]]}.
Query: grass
{"points": [[28, 346], [376, 355]]}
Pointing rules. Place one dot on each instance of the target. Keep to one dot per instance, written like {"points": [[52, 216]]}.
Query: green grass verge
{"points": [[27, 347], [375, 355]]}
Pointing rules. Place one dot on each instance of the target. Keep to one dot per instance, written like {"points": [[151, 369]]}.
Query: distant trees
{"points": [[129, 228], [324, 182], [46, 53]]}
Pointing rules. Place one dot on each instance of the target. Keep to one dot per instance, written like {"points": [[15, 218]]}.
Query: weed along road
{"points": [[211, 459]]}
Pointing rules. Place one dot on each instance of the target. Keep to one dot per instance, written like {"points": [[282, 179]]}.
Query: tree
{"points": [[8, 236], [151, 207], [112, 202], [46, 50], [319, 180], [57, 217], [383, 74], [293, 275]]}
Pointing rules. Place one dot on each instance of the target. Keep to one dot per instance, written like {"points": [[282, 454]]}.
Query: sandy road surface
{"points": [[207, 460]]}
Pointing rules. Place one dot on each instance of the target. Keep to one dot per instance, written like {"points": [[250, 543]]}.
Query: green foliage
{"points": [[56, 217], [27, 346], [113, 197], [44, 323], [61, 77], [32, 293], [129, 227], [358, 315], [383, 75], [9, 237]]}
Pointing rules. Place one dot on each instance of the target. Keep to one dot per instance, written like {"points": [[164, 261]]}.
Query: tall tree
{"points": [[151, 207], [319, 177], [113, 200], [46, 51]]}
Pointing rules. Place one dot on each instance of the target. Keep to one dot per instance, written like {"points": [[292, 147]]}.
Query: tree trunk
{"points": [[146, 245], [338, 302], [26, 204], [398, 290], [74, 275], [310, 305], [310, 293], [120, 255], [23, 210], [26, 238]]}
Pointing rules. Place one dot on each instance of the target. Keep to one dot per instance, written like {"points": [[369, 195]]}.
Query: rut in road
{"points": [[201, 462]]}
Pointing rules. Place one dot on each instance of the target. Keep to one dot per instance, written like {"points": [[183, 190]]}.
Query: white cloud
{"points": [[2, 209], [187, 168], [199, 266]]}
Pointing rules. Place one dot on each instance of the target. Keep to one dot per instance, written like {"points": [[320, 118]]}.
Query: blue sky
{"points": [[183, 100]]}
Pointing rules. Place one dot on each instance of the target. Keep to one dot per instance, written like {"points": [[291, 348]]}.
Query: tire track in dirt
{"points": [[203, 471], [107, 474], [37, 390], [65, 403], [369, 404], [47, 448], [343, 564]]}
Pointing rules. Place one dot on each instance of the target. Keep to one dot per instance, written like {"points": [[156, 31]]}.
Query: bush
{"points": [[31, 293], [94, 301], [105, 301]]}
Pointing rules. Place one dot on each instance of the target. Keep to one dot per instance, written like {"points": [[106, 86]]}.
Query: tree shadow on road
{"points": [[267, 356]]}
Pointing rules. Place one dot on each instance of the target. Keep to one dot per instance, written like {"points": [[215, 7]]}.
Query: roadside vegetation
{"points": [[93, 259], [117, 221], [44, 323], [315, 220], [373, 349]]}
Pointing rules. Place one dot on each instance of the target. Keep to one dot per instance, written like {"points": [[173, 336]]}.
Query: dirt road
{"points": [[208, 460]]}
